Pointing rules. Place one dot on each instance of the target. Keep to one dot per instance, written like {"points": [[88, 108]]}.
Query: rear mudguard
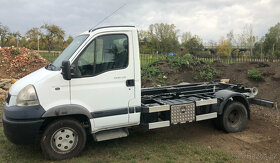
{"points": [[226, 96]]}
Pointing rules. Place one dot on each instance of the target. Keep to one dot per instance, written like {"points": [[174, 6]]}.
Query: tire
{"points": [[218, 122], [63, 139], [234, 117]]}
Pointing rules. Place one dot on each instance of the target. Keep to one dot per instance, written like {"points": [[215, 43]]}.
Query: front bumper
{"points": [[21, 131], [22, 124]]}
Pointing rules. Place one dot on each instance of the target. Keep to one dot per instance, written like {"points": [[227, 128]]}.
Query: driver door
{"points": [[100, 80]]}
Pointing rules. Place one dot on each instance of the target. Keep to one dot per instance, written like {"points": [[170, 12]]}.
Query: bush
{"points": [[254, 74], [15, 52], [206, 76], [148, 72]]}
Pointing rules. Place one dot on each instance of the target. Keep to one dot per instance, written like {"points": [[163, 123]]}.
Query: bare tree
{"points": [[4, 34], [251, 39], [231, 38]]}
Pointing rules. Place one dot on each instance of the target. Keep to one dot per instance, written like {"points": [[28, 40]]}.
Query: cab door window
{"points": [[111, 53], [85, 63], [105, 53]]}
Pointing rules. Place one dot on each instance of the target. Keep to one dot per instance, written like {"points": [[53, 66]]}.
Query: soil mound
{"points": [[269, 87]]}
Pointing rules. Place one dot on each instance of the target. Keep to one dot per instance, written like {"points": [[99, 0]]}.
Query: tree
{"points": [[224, 48], [258, 48], [52, 34], [17, 36], [250, 38], [231, 38], [4, 34], [164, 37], [33, 35], [272, 41], [186, 37], [68, 41], [145, 45], [193, 45]]}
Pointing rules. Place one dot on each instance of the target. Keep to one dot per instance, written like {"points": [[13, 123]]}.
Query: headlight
{"points": [[27, 97]]}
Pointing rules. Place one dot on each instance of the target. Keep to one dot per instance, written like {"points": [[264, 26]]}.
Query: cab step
{"points": [[111, 134]]}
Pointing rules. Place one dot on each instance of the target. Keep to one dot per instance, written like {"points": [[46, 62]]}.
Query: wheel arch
{"points": [[71, 111], [229, 96]]}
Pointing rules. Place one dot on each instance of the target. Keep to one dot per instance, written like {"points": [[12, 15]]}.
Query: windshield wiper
{"points": [[50, 67]]}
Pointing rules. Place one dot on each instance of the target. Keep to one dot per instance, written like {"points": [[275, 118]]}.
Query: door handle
{"points": [[130, 83]]}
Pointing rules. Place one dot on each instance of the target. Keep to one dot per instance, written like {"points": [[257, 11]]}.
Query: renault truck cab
{"points": [[94, 84]]}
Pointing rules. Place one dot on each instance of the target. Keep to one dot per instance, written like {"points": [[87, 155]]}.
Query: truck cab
{"points": [[94, 88]]}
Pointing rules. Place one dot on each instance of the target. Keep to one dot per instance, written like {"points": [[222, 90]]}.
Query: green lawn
{"points": [[49, 56], [140, 146]]}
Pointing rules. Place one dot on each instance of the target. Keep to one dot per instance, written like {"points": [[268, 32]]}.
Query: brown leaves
{"points": [[18, 66]]}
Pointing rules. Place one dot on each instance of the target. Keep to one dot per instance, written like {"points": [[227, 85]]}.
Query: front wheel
{"points": [[63, 139], [234, 117]]}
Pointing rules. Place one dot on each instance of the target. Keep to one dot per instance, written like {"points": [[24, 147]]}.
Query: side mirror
{"points": [[66, 72]]}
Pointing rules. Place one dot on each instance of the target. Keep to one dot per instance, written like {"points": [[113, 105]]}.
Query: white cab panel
{"points": [[107, 91]]}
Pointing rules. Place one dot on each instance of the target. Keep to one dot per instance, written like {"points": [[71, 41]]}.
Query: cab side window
{"points": [[105, 53], [84, 64], [111, 53]]}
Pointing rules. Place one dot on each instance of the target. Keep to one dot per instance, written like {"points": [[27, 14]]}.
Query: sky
{"points": [[210, 20]]}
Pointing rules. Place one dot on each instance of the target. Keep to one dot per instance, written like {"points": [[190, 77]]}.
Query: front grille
{"points": [[8, 98]]}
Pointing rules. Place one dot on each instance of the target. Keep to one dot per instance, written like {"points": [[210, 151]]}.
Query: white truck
{"points": [[94, 88]]}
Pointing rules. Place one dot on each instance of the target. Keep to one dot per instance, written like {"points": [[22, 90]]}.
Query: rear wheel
{"points": [[234, 117], [63, 139]]}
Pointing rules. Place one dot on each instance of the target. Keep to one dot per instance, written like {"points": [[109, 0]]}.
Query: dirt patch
{"points": [[260, 141], [18, 62]]}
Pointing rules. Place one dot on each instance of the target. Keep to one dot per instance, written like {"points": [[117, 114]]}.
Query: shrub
{"points": [[254, 74], [175, 61], [15, 52], [187, 57], [149, 72], [206, 76]]}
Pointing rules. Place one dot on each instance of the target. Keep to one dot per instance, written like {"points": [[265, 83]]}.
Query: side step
{"points": [[111, 134]]}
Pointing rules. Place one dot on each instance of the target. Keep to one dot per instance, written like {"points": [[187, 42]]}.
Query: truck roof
{"points": [[108, 28]]}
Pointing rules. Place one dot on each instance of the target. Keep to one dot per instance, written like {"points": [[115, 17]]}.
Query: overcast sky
{"points": [[209, 19]]}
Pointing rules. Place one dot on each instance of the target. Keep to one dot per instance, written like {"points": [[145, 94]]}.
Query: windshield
{"points": [[68, 52]]}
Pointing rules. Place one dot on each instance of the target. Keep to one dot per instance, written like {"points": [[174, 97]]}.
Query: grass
{"points": [[141, 146], [49, 56]]}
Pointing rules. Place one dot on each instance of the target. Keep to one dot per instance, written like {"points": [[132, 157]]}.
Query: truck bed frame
{"points": [[185, 102]]}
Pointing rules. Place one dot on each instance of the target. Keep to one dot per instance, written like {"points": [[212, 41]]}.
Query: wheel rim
{"points": [[234, 117], [64, 140]]}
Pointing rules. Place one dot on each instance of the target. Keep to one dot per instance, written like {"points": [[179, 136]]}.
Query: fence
{"points": [[146, 59], [237, 60]]}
